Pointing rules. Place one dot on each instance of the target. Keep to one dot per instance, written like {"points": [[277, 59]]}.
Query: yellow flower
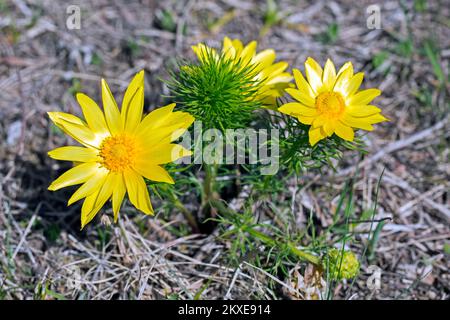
{"points": [[120, 149], [331, 103], [271, 76]]}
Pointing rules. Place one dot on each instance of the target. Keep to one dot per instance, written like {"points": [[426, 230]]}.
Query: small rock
{"points": [[14, 133]]}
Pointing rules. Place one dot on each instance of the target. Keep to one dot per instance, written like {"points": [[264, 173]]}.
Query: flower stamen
{"points": [[118, 152], [330, 104]]}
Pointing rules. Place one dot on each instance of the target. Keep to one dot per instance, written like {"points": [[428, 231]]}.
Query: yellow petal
{"points": [[306, 120], [153, 172], [112, 114], [94, 202], [290, 108], [354, 84], [314, 65], [345, 67], [344, 132], [248, 53], [303, 85], [58, 117], [162, 124], [362, 111], [75, 154], [227, 43], [281, 78], [269, 101], [89, 210], [375, 118], [81, 133], [93, 114], [319, 121], [180, 119], [314, 75], [273, 70], [137, 192], [202, 51], [198, 50], [238, 46], [264, 59], [135, 111], [133, 103], [74, 127], [329, 127], [329, 75], [106, 190], [157, 117], [163, 135], [89, 187], [118, 195], [342, 82], [76, 175], [315, 135], [363, 97], [296, 109], [165, 153], [268, 93], [359, 123], [302, 97], [228, 48]]}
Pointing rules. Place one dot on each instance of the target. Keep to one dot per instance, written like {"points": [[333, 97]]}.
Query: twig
{"points": [[181, 23], [25, 233], [233, 281], [394, 180], [395, 146], [290, 288]]}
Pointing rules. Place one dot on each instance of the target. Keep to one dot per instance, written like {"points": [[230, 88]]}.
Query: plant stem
{"points": [[212, 199], [209, 191], [292, 248], [304, 255], [209, 182]]}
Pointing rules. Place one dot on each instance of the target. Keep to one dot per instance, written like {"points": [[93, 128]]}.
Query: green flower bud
{"points": [[341, 265]]}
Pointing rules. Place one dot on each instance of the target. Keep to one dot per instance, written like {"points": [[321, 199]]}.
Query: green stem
{"points": [[292, 248], [304, 255], [212, 199], [209, 182]]}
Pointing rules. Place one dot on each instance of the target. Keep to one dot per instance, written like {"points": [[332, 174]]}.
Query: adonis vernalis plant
{"points": [[223, 89], [330, 102], [271, 77], [216, 92], [120, 149]]}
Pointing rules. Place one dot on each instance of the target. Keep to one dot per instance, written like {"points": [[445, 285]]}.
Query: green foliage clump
{"points": [[341, 264], [297, 154], [217, 91]]}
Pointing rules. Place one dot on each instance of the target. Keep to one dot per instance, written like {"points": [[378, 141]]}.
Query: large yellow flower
{"points": [[331, 103], [270, 76], [120, 149]]}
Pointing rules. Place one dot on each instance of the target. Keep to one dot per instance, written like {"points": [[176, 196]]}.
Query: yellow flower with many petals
{"points": [[270, 76], [331, 103], [119, 150]]}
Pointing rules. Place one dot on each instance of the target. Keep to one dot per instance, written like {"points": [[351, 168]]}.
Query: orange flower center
{"points": [[118, 152], [330, 104]]}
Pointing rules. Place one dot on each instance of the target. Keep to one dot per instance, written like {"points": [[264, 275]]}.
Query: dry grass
{"points": [[42, 63]]}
